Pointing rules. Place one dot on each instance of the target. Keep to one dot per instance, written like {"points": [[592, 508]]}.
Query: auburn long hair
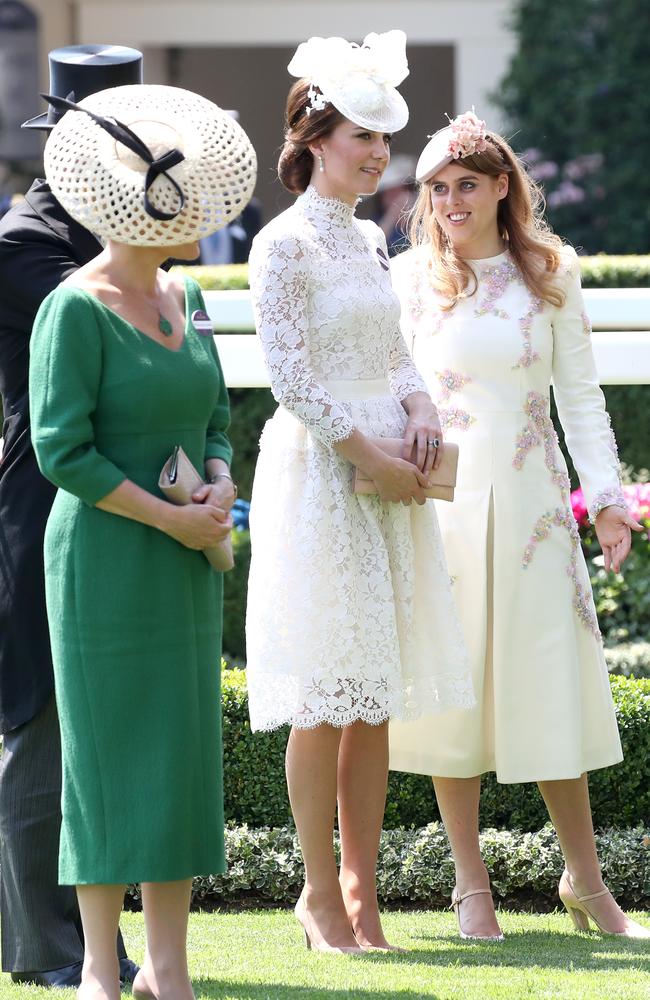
{"points": [[534, 248]]}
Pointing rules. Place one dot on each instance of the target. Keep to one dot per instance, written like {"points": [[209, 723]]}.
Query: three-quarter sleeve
{"points": [[279, 280], [580, 401], [64, 379]]}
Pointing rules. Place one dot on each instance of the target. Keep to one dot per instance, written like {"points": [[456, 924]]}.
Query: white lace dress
{"points": [[350, 613]]}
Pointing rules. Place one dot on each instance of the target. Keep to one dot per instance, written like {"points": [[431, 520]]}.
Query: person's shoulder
{"points": [[567, 272], [409, 263], [284, 235]]}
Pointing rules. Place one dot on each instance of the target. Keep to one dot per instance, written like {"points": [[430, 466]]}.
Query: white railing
{"points": [[620, 318]]}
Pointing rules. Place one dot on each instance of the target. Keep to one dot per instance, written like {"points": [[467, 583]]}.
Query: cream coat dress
{"points": [[350, 613], [519, 577]]}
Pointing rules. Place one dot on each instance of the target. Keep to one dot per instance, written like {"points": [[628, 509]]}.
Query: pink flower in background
{"points": [[636, 494], [579, 508]]}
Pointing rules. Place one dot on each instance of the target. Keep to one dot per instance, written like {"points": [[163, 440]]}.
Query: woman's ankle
{"points": [[472, 876]]}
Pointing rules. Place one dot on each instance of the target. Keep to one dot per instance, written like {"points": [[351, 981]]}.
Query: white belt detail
{"points": [[357, 388]]}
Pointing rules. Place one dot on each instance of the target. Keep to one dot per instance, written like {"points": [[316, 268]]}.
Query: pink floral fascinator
{"points": [[464, 136]]}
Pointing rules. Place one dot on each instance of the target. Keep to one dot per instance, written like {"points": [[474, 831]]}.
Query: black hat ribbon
{"points": [[158, 167]]}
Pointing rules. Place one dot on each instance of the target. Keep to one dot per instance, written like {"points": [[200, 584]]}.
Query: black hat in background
{"points": [[76, 71]]}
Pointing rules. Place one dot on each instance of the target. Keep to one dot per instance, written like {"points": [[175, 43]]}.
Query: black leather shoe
{"points": [[128, 970], [69, 975]]}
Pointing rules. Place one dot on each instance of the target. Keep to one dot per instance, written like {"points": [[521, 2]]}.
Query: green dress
{"points": [[135, 617]]}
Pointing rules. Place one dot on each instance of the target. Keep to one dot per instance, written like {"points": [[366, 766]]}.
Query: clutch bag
{"points": [[178, 481], [442, 481]]}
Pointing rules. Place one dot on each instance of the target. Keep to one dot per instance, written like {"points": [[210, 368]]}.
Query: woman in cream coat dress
{"points": [[516, 323]]}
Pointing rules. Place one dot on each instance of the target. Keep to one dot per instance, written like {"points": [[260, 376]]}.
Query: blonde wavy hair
{"points": [[534, 248]]}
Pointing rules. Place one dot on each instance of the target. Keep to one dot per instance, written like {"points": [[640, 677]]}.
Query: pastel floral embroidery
{"points": [[453, 417], [525, 325], [494, 281], [540, 430], [613, 496], [586, 323], [562, 517], [450, 382]]}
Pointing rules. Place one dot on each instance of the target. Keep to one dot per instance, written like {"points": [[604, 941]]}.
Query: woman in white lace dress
{"points": [[493, 312], [350, 616]]}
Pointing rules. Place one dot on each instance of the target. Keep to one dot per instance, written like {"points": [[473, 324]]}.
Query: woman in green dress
{"points": [[123, 369]]}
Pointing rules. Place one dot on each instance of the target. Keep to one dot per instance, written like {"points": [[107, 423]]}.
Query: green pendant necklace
{"points": [[164, 325]]}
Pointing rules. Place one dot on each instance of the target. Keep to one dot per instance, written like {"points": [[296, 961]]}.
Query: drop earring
{"points": [[321, 164]]}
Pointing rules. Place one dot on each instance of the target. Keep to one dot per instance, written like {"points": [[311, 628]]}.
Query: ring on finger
{"points": [[433, 442]]}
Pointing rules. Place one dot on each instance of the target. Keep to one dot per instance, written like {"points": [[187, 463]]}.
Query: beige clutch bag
{"points": [[442, 480], [178, 481]]}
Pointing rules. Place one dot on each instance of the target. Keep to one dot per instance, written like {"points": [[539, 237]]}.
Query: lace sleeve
{"points": [[279, 290], [403, 376]]}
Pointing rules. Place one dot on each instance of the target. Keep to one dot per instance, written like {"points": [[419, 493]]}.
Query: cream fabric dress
{"points": [[350, 613], [521, 584]]}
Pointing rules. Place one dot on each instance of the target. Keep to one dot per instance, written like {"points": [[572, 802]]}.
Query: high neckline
{"points": [[327, 207], [499, 258]]}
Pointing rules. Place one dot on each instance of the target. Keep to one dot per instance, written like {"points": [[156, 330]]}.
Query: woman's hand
{"points": [[221, 494], [614, 528], [197, 525], [422, 430], [397, 480]]}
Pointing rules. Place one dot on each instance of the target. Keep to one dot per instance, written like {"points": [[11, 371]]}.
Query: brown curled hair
{"points": [[535, 249], [296, 161]]}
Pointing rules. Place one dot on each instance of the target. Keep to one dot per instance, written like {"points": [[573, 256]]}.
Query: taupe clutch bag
{"points": [[442, 481], [178, 481]]}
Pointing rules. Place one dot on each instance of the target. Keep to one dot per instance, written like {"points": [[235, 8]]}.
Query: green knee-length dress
{"points": [[135, 617]]}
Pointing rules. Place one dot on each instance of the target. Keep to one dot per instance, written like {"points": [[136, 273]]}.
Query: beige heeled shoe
{"points": [[302, 918], [581, 914], [456, 899]]}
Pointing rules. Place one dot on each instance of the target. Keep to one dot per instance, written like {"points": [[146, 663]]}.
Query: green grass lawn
{"points": [[261, 956]]}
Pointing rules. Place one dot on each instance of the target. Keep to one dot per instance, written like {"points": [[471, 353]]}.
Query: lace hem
{"points": [[613, 496], [429, 697]]}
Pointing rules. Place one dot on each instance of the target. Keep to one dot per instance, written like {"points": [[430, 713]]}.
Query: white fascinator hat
{"points": [[149, 165], [464, 136], [359, 80]]}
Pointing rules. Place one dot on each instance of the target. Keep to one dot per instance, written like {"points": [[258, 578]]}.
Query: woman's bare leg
{"points": [[458, 802], [568, 806], [311, 764], [164, 974], [362, 780], [100, 907]]}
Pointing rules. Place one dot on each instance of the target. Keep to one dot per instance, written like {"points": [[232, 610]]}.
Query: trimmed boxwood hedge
{"points": [[255, 787], [599, 271], [415, 868]]}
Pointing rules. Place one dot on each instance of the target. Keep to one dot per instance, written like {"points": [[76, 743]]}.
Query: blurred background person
{"points": [[395, 198]]}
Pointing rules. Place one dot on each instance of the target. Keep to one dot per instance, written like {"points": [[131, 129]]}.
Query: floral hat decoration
{"points": [[359, 80], [464, 136]]}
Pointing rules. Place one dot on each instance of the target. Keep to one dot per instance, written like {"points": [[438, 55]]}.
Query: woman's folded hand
{"points": [[397, 480], [197, 525]]}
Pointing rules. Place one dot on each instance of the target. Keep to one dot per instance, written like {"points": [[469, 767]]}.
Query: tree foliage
{"points": [[577, 104]]}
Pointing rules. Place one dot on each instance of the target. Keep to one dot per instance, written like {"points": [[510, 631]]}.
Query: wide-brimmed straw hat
{"points": [[149, 165], [359, 80]]}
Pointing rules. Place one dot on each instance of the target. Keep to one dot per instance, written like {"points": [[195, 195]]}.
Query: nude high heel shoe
{"points": [[581, 914], [456, 900]]}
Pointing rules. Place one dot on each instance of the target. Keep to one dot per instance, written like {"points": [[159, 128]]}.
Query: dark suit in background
{"points": [[40, 245]]}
